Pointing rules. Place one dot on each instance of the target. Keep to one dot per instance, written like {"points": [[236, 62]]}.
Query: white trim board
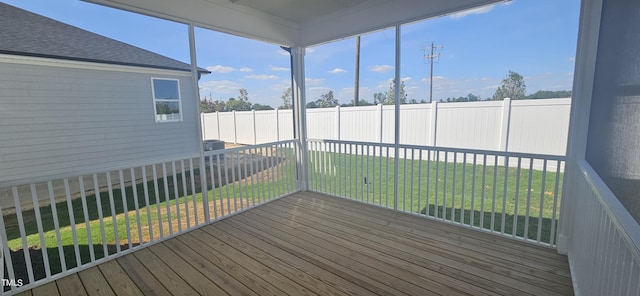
{"points": [[51, 62]]}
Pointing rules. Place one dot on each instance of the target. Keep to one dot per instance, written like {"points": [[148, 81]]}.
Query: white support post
{"points": [[196, 89], [338, 123], [300, 116], [434, 124], [397, 123], [582, 93], [503, 145], [255, 133]]}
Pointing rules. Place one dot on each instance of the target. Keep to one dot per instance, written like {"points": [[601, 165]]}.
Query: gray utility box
{"points": [[210, 145]]}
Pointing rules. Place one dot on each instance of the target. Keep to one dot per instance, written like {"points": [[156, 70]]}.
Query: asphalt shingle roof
{"points": [[29, 34]]}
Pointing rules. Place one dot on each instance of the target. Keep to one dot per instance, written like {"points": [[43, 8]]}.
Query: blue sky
{"points": [[534, 38]]}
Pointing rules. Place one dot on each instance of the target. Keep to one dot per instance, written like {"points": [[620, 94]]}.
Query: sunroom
{"points": [[326, 216]]}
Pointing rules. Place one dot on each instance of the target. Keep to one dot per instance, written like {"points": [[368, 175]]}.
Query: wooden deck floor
{"points": [[312, 244]]}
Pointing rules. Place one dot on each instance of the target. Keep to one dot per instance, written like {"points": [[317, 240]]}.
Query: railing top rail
{"points": [[240, 148], [449, 149], [629, 229]]}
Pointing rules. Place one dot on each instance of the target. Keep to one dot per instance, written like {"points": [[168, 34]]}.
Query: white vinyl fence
{"points": [[526, 126]]}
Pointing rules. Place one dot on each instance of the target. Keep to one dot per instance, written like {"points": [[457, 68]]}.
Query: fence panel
{"points": [[528, 126]]}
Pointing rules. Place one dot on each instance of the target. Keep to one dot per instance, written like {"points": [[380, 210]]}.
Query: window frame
{"points": [[155, 100]]}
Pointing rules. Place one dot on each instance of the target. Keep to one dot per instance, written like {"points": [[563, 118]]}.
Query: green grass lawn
{"points": [[448, 190]]}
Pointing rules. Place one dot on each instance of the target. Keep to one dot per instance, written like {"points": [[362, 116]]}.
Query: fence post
{"points": [[203, 126], [338, 123], [434, 123], [503, 145], [277, 125], [218, 124], [255, 134], [235, 128], [380, 125]]}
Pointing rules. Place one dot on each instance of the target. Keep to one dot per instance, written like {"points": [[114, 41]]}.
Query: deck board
{"points": [[313, 244]]}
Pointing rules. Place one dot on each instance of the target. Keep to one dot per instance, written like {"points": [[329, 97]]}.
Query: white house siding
{"points": [[70, 119]]}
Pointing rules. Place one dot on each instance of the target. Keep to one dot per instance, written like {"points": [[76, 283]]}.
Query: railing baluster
{"points": [[368, 157], [185, 194], [473, 191], [43, 243], [464, 183], [484, 184], [526, 216], [552, 239], [72, 221], [233, 180], [246, 157], [154, 173], [96, 190], [413, 161], [542, 192], [516, 199], [495, 192], [147, 203], [23, 235], [444, 186], [125, 207], [56, 225], [351, 178], [453, 189], [404, 180], [437, 180], [226, 180], [220, 184], [114, 220], [253, 177], [175, 195], [380, 176], [167, 197], [358, 179], [504, 194], [387, 177], [427, 204], [192, 176], [86, 221]]}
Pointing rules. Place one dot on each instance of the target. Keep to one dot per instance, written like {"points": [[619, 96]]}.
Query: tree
{"points": [[286, 99], [389, 97], [513, 87], [548, 94], [327, 100], [261, 107], [240, 104]]}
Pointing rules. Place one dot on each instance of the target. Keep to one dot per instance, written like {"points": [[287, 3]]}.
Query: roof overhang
{"points": [[295, 22]]}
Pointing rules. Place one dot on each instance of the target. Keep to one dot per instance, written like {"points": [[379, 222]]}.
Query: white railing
{"points": [[604, 250], [529, 126], [72, 223], [513, 194]]}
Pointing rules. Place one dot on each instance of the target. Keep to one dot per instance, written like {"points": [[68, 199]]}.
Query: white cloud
{"points": [[337, 70], [405, 79], [273, 68], [216, 87], [246, 69], [314, 80], [261, 77], [572, 59], [220, 69], [381, 68]]}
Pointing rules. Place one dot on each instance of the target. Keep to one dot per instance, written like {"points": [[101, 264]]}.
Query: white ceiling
{"points": [[295, 22]]}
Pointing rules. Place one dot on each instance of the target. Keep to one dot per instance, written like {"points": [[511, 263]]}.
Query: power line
{"points": [[431, 57]]}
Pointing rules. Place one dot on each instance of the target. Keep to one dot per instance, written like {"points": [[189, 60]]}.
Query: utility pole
{"points": [[431, 57], [356, 87]]}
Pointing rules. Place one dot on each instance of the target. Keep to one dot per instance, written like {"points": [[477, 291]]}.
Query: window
{"points": [[166, 99]]}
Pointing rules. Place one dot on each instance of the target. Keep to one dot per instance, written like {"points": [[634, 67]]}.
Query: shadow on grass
{"points": [[484, 221]]}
